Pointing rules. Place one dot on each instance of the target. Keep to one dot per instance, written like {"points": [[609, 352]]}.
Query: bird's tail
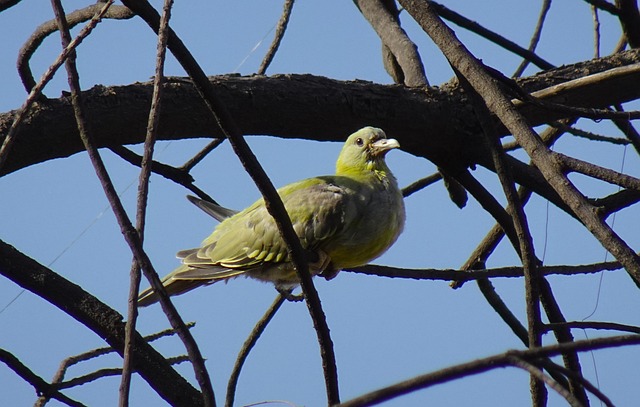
{"points": [[173, 287]]}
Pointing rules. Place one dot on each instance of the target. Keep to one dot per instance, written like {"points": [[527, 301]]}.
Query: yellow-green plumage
{"points": [[343, 220]]}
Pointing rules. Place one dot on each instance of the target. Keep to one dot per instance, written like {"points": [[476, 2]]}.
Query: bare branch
{"points": [[595, 171], [274, 205], [248, 344], [532, 278], [387, 25], [130, 234], [280, 30], [604, 5], [535, 38], [594, 325], [428, 124], [539, 375], [483, 365], [143, 193], [475, 274], [44, 30], [39, 384], [420, 184], [99, 318], [473, 26], [497, 102], [35, 93], [630, 21], [106, 372]]}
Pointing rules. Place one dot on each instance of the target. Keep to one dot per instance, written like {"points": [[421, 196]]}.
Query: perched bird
{"points": [[343, 220]]}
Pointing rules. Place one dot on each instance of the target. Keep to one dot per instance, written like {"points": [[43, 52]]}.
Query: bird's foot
{"points": [[288, 294]]}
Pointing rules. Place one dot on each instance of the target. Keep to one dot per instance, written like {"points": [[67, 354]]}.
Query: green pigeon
{"points": [[343, 220]]}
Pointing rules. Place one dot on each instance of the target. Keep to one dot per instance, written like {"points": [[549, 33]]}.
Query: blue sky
{"points": [[384, 330]]}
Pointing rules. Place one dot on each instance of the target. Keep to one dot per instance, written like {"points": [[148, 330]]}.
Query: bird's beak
{"points": [[381, 146]]}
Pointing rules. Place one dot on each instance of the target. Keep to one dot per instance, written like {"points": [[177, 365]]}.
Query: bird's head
{"points": [[364, 150]]}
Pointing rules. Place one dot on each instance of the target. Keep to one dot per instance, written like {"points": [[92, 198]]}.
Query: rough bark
{"points": [[436, 123]]}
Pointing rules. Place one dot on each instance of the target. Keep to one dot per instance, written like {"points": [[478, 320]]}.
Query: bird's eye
{"points": [[359, 142]]}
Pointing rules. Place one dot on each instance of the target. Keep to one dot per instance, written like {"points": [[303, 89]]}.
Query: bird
{"points": [[343, 221]]}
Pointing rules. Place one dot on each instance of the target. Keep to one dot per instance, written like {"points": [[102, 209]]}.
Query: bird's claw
{"points": [[289, 296]]}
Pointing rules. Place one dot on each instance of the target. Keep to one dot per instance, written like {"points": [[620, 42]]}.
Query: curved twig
{"points": [[36, 91], [74, 18], [248, 345], [539, 375]]}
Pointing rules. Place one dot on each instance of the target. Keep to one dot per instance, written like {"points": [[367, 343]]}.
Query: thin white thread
{"points": [[255, 47], [79, 236]]}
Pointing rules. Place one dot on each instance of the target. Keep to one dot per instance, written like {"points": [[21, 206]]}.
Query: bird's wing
{"points": [[319, 208]]}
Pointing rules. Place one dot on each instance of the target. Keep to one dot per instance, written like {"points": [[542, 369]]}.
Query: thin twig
{"points": [[72, 360], [129, 232], [596, 31], [248, 345], [143, 194], [535, 38], [476, 274], [188, 166], [177, 175], [525, 241], [611, 326], [420, 184], [280, 30], [571, 164], [586, 384], [539, 375], [110, 371], [590, 135], [483, 365], [498, 39], [43, 388], [272, 200]]}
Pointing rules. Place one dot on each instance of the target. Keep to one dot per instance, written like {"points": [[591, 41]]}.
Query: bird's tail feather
{"points": [[173, 287]]}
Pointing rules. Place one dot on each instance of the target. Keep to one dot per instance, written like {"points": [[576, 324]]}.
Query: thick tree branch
{"points": [[436, 124], [386, 23]]}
